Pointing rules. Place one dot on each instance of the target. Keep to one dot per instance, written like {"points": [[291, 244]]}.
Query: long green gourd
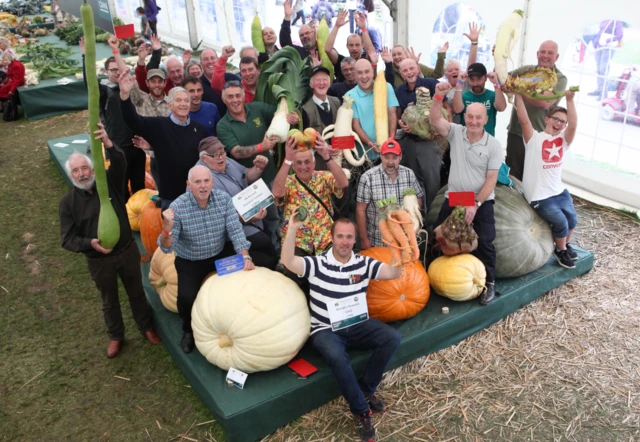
{"points": [[321, 38], [108, 225]]}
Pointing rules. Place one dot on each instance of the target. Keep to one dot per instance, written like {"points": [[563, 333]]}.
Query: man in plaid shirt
{"points": [[388, 179], [196, 226]]}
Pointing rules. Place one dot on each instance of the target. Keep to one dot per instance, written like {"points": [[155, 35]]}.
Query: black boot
{"points": [[187, 343], [489, 294]]}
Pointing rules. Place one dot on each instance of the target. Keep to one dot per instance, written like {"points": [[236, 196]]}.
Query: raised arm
{"points": [[156, 55], [458, 104], [441, 125], [254, 173], [285, 28], [220, 68], [279, 183], [500, 103], [560, 87], [473, 36], [292, 262], [341, 20], [572, 117], [523, 118], [131, 118], [361, 21]]}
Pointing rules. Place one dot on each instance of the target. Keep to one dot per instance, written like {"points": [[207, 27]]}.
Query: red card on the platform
{"points": [[124, 31], [302, 367], [348, 142], [462, 199]]}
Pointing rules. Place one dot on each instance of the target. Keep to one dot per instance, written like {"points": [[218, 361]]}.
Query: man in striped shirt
{"points": [[334, 276], [196, 226]]}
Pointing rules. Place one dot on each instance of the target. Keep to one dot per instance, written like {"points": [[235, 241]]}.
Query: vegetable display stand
{"points": [[274, 398]]}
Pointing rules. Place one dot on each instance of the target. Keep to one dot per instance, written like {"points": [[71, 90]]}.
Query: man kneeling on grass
{"points": [[337, 278], [542, 177]]}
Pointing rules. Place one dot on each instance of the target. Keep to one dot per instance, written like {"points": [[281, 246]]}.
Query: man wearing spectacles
{"points": [[542, 178]]}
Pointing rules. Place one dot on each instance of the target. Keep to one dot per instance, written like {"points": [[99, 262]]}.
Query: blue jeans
{"points": [[371, 334], [559, 212]]}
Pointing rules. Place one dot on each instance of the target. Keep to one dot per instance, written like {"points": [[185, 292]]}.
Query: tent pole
{"points": [[524, 35], [399, 12], [191, 24]]}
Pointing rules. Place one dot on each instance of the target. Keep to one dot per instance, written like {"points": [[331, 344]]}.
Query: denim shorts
{"points": [[559, 212]]}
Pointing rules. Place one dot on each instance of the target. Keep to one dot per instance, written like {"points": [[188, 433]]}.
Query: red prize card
{"points": [[302, 367], [462, 199], [343, 143], [124, 31]]}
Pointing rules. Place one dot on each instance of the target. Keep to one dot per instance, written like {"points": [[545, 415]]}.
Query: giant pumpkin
{"points": [[151, 225], [523, 239], [399, 298], [252, 320], [459, 277], [137, 202], [164, 278]]}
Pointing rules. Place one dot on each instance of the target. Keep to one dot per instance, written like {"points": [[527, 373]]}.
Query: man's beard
{"points": [[309, 45], [391, 172], [87, 185]]}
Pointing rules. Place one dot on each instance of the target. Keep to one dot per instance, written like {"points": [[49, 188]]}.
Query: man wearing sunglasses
{"points": [[542, 178]]}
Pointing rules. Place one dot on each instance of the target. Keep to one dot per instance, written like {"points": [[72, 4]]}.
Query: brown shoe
{"points": [[152, 336], [113, 349]]}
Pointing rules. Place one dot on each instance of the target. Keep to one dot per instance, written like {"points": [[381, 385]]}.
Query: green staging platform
{"points": [[272, 399]]}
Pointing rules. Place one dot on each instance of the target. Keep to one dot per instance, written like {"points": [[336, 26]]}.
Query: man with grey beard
{"points": [[79, 213]]}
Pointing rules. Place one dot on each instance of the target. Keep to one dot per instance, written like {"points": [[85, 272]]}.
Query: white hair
{"points": [[452, 61], [73, 156], [177, 90], [173, 57], [248, 48]]}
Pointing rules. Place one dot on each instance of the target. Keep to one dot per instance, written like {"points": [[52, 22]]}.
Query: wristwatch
{"points": [[247, 257], [478, 203]]}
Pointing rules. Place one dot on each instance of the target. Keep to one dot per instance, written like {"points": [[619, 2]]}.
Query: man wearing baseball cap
{"points": [[494, 101], [388, 179]]}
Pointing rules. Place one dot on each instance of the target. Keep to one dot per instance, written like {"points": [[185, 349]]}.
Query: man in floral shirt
{"points": [[312, 190]]}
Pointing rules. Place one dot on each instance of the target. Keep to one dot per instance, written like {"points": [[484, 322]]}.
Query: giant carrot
{"points": [[400, 236], [388, 239], [404, 219]]}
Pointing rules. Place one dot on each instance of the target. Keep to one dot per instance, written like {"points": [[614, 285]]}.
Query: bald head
{"points": [[200, 182], [477, 108], [208, 59], [409, 70], [364, 75], [475, 117], [548, 54]]}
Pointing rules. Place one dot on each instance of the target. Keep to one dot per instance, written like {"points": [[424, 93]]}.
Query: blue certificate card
{"points": [[228, 265]]}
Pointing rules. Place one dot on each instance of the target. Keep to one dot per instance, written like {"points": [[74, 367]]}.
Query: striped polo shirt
{"points": [[330, 279]]}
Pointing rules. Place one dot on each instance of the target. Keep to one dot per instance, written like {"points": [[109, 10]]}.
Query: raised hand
{"points": [[260, 162], [141, 143], [142, 53], [444, 48], [288, 10], [442, 88], [155, 42], [126, 84], [359, 18], [81, 44], [474, 32], [386, 55], [412, 54], [290, 149], [167, 220], [186, 57], [113, 42], [343, 18], [315, 59], [462, 76], [228, 51], [569, 95], [493, 77], [294, 222], [101, 135]]}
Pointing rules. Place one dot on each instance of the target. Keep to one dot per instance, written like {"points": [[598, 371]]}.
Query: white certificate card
{"points": [[348, 311], [249, 202]]}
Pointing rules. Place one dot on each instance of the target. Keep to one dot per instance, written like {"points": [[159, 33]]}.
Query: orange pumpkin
{"points": [[137, 202], [399, 298], [151, 225]]}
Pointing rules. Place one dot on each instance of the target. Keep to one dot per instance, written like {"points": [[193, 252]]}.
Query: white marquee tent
{"points": [[605, 157]]}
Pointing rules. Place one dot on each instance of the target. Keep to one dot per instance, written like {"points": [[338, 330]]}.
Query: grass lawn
{"points": [[563, 368]]}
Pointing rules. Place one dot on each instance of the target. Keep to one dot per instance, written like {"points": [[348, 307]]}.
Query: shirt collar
{"points": [[319, 102], [484, 140], [247, 112], [332, 259], [362, 93], [178, 122]]}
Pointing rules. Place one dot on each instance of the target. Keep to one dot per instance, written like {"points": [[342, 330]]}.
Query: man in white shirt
{"points": [[542, 177]]}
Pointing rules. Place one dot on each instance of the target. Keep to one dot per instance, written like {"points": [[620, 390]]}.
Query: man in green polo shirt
{"points": [[243, 131]]}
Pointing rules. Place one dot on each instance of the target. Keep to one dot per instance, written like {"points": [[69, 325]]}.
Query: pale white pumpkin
{"points": [[253, 321]]}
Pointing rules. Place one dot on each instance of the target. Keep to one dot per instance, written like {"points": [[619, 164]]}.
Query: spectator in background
{"points": [[358, 46], [249, 51], [307, 34], [269, 38], [208, 60], [9, 88], [348, 69], [608, 40], [193, 69], [313, 24], [298, 10], [7, 55], [249, 71], [145, 29], [323, 11], [199, 111], [151, 12], [399, 53]]}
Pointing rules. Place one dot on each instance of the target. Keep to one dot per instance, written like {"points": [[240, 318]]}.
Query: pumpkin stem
{"points": [[225, 341], [161, 283]]}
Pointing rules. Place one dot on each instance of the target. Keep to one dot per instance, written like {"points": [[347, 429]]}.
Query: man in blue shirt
{"points": [[195, 227], [363, 118], [206, 114], [494, 101]]}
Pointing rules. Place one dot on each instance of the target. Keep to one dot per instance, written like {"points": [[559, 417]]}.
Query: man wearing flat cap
{"points": [[232, 177]]}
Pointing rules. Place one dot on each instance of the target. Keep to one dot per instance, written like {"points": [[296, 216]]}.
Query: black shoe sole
{"points": [[563, 265]]}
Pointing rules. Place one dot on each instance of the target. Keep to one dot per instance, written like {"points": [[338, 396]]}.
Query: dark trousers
{"points": [[425, 159], [299, 15], [262, 251], [190, 277], [154, 172], [136, 162], [153, 26], [485, 226], [515, 155], [371, 334], [104, 271]]}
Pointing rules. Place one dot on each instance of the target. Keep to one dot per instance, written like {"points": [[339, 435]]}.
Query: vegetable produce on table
{"points": [[454, 235], [284, 81], [399, 298], [459, 278], [343, 128], [508, 34], [253, 321], [381, 108], [72, 32], [256, 34], [523, 240], [48, 60], [108, 225], [164, 278], [534, 82], [396, 227], [417, 116]]}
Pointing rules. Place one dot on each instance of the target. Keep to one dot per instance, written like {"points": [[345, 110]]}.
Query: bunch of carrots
{"points": [[396, 227]]}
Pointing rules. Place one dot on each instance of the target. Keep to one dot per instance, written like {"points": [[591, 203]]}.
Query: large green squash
{"points": [[523, 239]]}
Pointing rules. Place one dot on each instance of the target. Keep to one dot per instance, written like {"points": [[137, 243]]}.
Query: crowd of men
{"points": [[208, 140]]}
